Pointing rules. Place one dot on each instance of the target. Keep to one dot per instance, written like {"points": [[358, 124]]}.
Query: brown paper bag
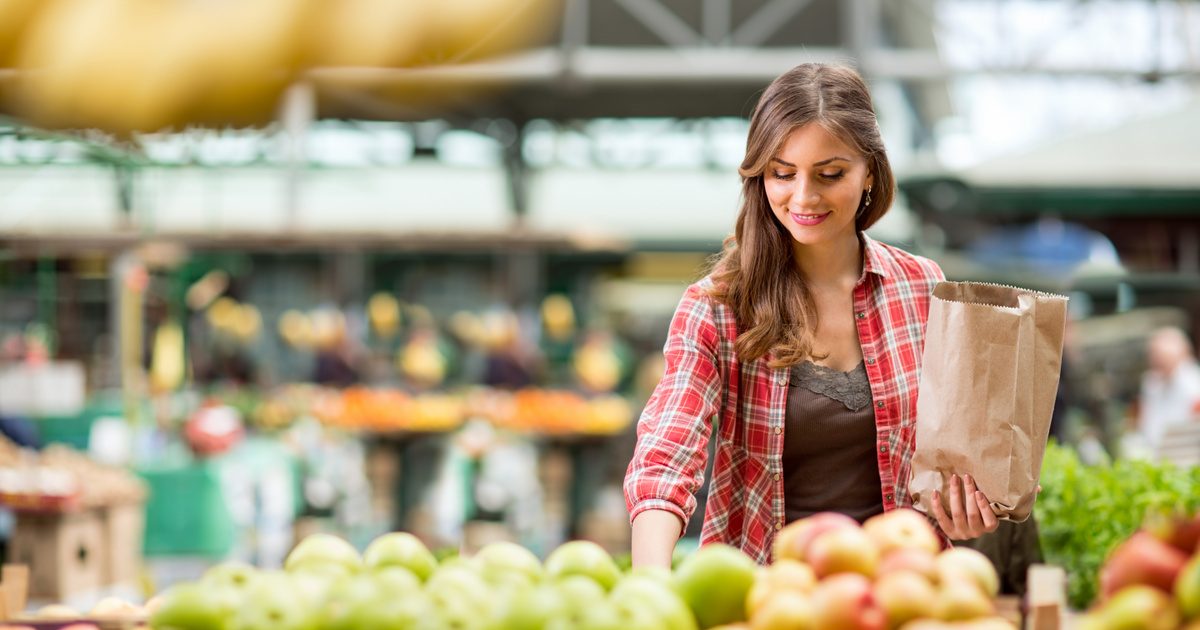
{"points": [[989, 375]]}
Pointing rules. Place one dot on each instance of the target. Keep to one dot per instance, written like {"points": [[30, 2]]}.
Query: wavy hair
{"points": [[770, 300]]}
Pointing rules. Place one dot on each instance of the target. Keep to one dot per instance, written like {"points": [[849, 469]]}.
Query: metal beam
{"points": [[767, 21], [667, 26], [607, 66], [718, 20]]}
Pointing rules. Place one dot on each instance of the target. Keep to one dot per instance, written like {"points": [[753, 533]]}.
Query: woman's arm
{"points": [[654, 536], [668, 461]]}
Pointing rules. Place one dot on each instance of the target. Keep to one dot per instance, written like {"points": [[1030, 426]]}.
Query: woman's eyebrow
{"points": [[821, 163]]}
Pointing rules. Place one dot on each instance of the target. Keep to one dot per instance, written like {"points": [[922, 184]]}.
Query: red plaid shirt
{"points": [[704, 379]]}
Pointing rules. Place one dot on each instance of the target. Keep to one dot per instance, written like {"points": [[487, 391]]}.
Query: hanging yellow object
{"points": [[597, 367], [383, 311], [223, 314], [167, 364], [558, 317], [246, 323], [422, 362], [295, 329]]}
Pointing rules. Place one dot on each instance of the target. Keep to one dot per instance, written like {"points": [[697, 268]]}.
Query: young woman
{"points": [[800, 353]]}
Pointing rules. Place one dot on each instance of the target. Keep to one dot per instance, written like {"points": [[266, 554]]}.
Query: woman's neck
{"points": [[834, 263]]}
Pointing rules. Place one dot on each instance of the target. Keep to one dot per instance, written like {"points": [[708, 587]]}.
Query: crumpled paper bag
{"points": [[989, 375]]}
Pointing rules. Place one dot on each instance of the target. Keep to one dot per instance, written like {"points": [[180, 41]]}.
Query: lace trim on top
{"points": [[852, 388]]}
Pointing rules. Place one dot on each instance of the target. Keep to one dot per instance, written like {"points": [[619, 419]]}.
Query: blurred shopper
{"points": [[1170, 393], [802, 346], [335, 364]]}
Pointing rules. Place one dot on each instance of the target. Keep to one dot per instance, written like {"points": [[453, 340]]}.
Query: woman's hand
{"points": [[970, 514]]}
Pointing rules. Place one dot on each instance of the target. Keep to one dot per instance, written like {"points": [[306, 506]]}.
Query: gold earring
{"points": [[868, 202]]}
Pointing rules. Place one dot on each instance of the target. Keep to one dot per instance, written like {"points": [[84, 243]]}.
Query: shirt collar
{"points": [[872, 256]]}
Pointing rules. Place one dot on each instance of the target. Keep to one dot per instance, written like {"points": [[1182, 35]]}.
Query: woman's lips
{"points": [[808, 219]]}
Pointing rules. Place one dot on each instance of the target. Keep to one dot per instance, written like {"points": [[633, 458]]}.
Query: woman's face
{"points": [[814, 185]]}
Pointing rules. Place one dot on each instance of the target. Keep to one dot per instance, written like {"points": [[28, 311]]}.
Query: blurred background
{"points": [[274, 267]]}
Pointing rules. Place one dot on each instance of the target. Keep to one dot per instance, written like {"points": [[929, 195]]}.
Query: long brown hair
{"points": [[753, 274]]}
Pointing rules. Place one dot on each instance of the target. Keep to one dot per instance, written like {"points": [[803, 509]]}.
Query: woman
{"points": [[802, 347]]}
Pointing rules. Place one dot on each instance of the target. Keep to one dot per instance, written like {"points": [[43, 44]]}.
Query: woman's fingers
{"points": [[971, 507], [956, 506], [940, 514]]}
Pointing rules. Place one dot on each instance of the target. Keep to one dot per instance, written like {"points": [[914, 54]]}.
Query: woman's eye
{"points": [[834, 176], [783, 176]]}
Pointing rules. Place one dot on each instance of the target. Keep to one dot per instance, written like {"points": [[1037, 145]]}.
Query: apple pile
{"points": [[396, 583], [831, 573], [1152, 579]]}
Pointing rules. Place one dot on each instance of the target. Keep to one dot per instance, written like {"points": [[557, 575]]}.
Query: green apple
{"points": [[535, 608], [660, 574], [714, 582], [1187, 588], [580, 591], [397, 580], [460, 596], [400, 549], [666, 605], [190, 606], [500, 559], [323, 552], [236, 575], [373, 601], [599, 615], [636, 614], [271, 604], [586, 558]]}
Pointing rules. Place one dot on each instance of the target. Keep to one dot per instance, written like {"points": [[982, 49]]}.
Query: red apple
{"points": [[843, 550], [1140, 606], [961, 600], [916, 561], [785, 610], [788, 575], [1180, 531], [963, 564], [1142, 559], [792, 541], [901, 529], [905, 596], [846, 602]]}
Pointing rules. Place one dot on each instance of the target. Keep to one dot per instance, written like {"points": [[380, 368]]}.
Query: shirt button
{"points": [[778, 476], [779, 526], [888, 497], [883, 448], [778, 430], [871, 361], [861, 315], [879, 404]]}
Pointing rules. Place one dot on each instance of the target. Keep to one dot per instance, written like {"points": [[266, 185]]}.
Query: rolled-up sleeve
{"points": [[672, 434]]}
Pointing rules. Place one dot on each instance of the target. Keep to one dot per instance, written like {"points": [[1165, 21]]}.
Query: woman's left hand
{"points": [[971, 515]]}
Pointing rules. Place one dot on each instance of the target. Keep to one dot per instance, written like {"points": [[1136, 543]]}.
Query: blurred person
{"points": [[335, 364], [18, 429], [1170, 391], [804, 342], [507, 363]]}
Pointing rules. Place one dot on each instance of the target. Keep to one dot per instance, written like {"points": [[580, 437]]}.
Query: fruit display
{"points": [[1084, 511], [830, 572], [554, 412], [61, 478], [397, 583], [1151, 580], [109, 612], [385, 410]]}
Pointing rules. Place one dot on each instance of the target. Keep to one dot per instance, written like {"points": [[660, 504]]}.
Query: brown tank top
{"points": [[829, 444]]}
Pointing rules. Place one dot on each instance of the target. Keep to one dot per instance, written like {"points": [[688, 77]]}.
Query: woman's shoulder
{"points": [[904, 265]]}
